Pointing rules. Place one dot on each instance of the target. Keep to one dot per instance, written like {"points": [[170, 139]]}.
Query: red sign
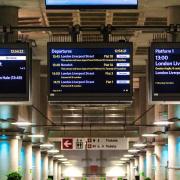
{"points": [[67, 143]]}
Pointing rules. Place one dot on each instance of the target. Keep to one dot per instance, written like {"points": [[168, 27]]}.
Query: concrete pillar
{"points": [[173, 112], [149, 162], [142, 98], [136, 163], [37, 170], [132, 170], [51, 165], [28, 161], [59, 172], [158, 154], [43, 106], [14, 154], [172, 155], [136, 103], [9, 155], [55, 170], [141, 166], [128, 171], [36, 117], [45, 166]]}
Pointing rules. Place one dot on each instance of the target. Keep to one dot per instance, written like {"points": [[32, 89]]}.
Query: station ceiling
{"points": [[102, 118]]}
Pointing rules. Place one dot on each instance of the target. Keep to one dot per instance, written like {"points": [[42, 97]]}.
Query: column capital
{"points": [[175, 133], [173, 6], [51, 156], [159, 143], [142, 154], [36, 147], [26, 142], [44, 153], [150, 147]]}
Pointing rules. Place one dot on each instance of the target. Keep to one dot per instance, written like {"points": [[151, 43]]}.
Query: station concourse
{"points": [[90, 90]]}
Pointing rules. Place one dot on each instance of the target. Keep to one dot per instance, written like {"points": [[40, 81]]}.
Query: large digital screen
{"points": [[14, 72], [165, 71], [90, 72], [79, 4]]}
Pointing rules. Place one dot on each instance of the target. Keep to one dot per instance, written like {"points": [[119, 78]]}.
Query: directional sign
{"points": [[107, 144], [93, 143], [73, 143], [67, 143]]}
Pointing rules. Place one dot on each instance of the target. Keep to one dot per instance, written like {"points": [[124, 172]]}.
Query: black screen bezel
{"points": [[163, 97], [87, 97], [17, 97], [110, 6]]}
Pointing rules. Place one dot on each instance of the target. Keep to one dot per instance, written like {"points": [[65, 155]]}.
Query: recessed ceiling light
{"points": [[46, 145], [163, 123], [124, 159], [133, 150], [36, 135], [62, 159], [128, 155], [149, 135], [58, 156], [22, 123], [139, 145], [119, 164], [66, 162], [53, 151]]}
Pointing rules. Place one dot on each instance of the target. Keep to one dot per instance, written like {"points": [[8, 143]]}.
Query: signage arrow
{"points": [[67, 144]]}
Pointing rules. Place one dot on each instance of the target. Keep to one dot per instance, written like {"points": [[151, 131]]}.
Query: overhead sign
{"points": [[95, 4], [73, 143], [165, 72], [93, 143], [107, 144], [90, 72], [14, 72], [67, 143]]}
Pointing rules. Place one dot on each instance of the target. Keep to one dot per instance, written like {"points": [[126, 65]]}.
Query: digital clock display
{"points": [[14, 72], [90, 72], [165, 71]]}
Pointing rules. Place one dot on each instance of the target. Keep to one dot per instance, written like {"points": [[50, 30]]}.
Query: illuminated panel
{"points": [[91, 72], [95, 4], [165, 71], [14, 72]]}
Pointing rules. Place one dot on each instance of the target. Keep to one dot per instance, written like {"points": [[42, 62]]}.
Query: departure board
{"points": [[95, 4], [14, 72], [90, 72], [165, 71]]}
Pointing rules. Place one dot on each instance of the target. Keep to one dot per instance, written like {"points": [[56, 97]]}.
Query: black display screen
{"points": [[14, 72], [93, 4], [165, 72], [90, 72]]}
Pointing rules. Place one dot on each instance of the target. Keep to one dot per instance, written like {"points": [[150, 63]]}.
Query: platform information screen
{"points": [[90, 71], [14, 72], [165, 71], [78, 4]]}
